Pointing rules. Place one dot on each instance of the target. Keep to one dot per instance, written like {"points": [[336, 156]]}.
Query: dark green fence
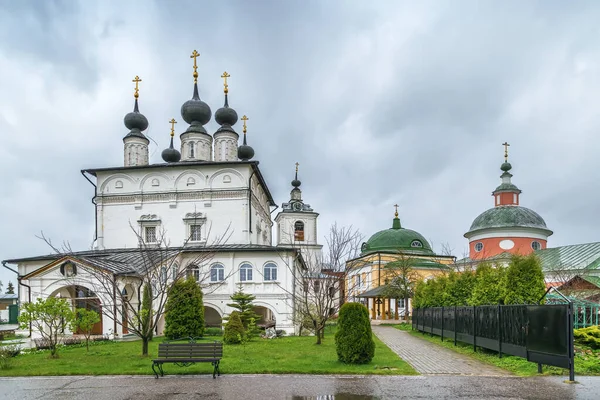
{"points": [[539, 333], [13, 314]]}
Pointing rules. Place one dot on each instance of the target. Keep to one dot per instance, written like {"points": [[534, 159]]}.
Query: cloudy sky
{"points": [[381, 102]]}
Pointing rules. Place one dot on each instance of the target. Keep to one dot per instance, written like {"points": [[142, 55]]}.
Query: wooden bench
{"points": [[186, 354], [6, 333]]}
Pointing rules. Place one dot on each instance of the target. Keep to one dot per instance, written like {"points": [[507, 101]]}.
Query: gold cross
{"points": [[194, 55], [244, 118], [137, 80], [225, 76], [396, 213], [173, 122], [505, 144], [297, 167]]}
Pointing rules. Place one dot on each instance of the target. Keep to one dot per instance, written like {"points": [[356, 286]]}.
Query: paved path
{"points": [[429, 358]]}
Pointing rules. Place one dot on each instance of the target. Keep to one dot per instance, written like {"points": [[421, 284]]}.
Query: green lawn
{"points": [[585, 363], [288, 355]]}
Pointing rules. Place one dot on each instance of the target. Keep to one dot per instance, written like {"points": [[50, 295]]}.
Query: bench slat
{"points": [[190, 355]]}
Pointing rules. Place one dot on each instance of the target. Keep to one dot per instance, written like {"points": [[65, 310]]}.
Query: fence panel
{"points": [[487, 327], [465, 324]]}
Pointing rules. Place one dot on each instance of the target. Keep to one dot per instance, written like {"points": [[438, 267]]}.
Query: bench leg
{"points": [[216, 369], [160, 366], [154, 370]]}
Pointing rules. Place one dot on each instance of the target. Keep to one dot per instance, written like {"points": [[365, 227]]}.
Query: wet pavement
{"points": [[317, 387]]}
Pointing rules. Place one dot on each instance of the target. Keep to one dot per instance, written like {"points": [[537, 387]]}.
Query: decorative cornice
{"points": [[172, 196]]}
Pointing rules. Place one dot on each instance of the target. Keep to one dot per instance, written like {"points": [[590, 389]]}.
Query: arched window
{"points": [[270, 271], [175, 271], [193, 271], [192, 155], [299, 231], [246, 272], [163, 274], [416, 243], [217, 273]]}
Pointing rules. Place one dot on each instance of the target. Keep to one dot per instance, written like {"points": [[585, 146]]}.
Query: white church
{"points": [[209, 197]]}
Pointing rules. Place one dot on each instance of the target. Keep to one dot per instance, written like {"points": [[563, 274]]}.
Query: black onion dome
{"points": [[226, 116], [245, 152], [195, 110], [136, 122], [506, 166], [171, 154], [296, 183]]}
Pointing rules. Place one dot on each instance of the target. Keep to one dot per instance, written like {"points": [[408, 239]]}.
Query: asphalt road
{"points": [[296, 387]]}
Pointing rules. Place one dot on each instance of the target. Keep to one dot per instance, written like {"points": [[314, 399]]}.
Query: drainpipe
{"points": [[114, 305], [95, 206], [19, 288], [250, 204]]}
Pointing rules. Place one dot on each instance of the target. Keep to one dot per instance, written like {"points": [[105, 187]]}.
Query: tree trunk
{"points": [[406, 309], [318, 334], [145, 341]]}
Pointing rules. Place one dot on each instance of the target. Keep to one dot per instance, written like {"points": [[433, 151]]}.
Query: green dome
{"points": [[397, 239], [508, 217]]}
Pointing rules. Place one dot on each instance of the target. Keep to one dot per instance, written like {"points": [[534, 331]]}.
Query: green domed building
{"points": [[389, 256]]}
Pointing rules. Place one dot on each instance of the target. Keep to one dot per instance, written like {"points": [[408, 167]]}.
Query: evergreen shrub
{"points": [[354, 339], [234, 332], [589, 336], [184, 310]]}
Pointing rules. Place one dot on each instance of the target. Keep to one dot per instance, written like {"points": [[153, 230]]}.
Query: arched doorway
{"points": [[212, 318], [82, 297], [267, 317]]}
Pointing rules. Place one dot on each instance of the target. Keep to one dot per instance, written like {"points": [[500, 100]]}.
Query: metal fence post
{"points": [[499, 331], [455, 325], [571, 343], [475, 328], [442, 323]]}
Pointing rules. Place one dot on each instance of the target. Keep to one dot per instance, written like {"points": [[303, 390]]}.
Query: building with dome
{"points": [[507, 228], [368, 277], [208, 196]]}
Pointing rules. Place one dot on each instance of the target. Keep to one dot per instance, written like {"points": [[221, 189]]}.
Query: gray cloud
{"points": [[381, 103]]}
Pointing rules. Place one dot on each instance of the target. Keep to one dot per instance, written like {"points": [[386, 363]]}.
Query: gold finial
{"points": [[396, 213], [505, 144], [244, 118], [194, 55], [137, 80], [297, 167], [225, 76], [173, 122]]}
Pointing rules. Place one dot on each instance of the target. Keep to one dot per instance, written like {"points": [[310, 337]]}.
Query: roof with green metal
{"points": [[397, 239], [508, 217], [572, 257]]}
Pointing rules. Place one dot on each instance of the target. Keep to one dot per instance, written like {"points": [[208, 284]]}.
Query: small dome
{"points": [[171, 155], [136, 120], [506, 166], [397, 239], [195, 110], [296, 183], [245, 152], [226, 115], [508, 217]]}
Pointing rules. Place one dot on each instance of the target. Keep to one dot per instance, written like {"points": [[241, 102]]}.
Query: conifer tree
{"points": [[184, 310], [524, 280], [242, 302], [146, 331], [10, 289], [488, 287]]}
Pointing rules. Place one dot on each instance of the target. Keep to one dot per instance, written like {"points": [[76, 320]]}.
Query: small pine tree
{"points": [[524, 280], [10, 289], [488, 287], [234, 332], [459, 289], [354, 339], [242, 302], [184, 310], [146, 318]]}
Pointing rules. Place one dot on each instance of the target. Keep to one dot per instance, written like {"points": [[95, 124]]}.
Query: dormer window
{"points": [[150, 234], [416, 243]]}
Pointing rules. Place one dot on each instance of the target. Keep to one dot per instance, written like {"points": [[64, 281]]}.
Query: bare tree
{"points": [[152, 267], [401, 279], [320, 280]]}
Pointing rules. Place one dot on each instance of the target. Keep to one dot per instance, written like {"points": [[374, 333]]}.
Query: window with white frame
{"points": [[175, 271], [217, 273], [270, 271], [194, 272], [163, 274], [195, 233], [150, 234], [191, 146], [317, 286], [246, 273]]}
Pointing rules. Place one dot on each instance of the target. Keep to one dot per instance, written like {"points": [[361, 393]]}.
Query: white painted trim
{"points": [[491, 233]]}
